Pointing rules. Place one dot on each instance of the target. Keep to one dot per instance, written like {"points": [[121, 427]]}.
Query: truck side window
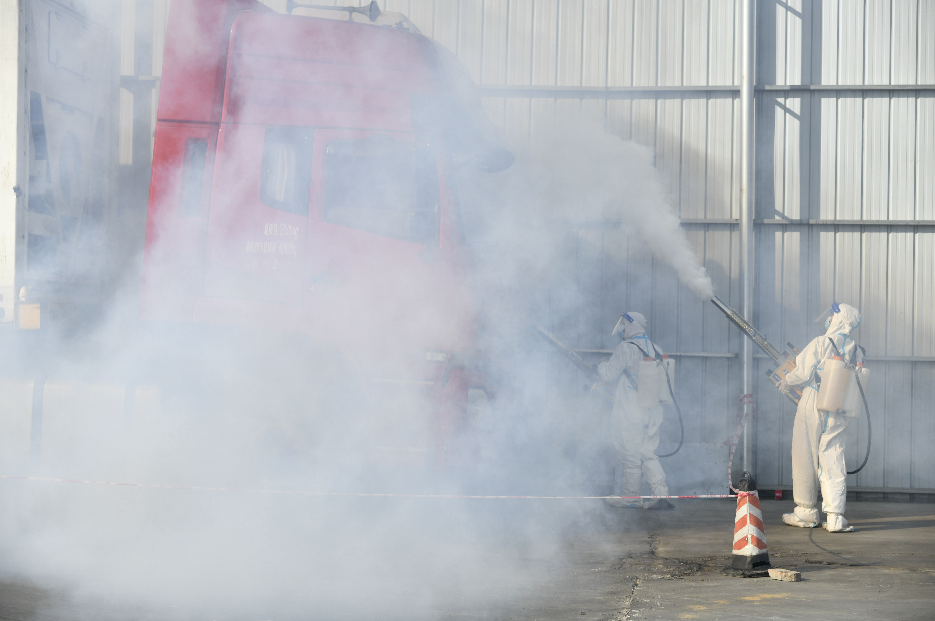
{"points": [[384, 186], [193, 176], [287, 169]]}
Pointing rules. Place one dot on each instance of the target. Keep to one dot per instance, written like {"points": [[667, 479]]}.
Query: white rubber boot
{"points": [[837, 524], [801, 517]]}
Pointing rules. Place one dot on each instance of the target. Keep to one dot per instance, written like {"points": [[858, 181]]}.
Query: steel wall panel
{"points": [[812, 111], [876, 151], [923, 426], [422, 14], [924, 303], [718, 163], [850, 39], [567, 108], [828, 38], [471, 37], [696, 51], [569, 47], [925, 155], [519, 42], [545, 42], [820, 273], [670, 42], [902, 160], [848, 269], [849, 158], [446, 24], [873, 283], [828, 159], [899, 295], [721, 43], [620, 29], [897, 417], [769, 161], [794, 292], [494, 36], [618, 118], [795, 177], [643, 122], [645, 44], [876, 45], [794, 11], [926, 43], [874, 473], [594, 43], [595, 110], [691, 202], [905, 41]]}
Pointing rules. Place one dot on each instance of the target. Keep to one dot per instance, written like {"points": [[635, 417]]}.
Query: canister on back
{"points": [[834, 381], [853, 403]]}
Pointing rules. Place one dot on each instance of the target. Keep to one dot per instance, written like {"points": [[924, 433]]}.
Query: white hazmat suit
{"points": [[635, 429], [818, 435]]}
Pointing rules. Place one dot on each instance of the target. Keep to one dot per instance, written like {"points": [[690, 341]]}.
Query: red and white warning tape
{"points": [[246, 490]]}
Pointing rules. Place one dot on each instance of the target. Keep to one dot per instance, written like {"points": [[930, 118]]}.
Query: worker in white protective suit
{"points": [[635, 429], [818, 435]]}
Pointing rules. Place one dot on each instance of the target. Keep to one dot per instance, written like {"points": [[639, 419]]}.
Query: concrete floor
{"points": [[600, 563]]}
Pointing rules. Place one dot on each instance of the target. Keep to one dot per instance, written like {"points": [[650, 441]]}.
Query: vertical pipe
{"points": [[746, 204], [14, 154]]}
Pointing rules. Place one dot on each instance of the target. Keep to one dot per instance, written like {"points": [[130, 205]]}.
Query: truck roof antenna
{"points": [[371, 11]]}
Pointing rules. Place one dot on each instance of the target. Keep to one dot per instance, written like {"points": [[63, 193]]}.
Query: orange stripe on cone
{"points": [[749, 518], [750, 540]]}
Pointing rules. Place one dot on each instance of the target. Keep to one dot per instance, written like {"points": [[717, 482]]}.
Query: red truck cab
{"points": [[301, 183]]}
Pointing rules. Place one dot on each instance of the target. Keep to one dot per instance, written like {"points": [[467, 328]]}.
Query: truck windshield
{"points": [[384, 186]]}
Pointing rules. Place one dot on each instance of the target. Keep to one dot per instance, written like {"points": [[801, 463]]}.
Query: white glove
{"points": [[784, 387]]}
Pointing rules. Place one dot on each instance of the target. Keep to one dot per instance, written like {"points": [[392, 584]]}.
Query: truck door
{"points": [[259, 214], [379, 267]]}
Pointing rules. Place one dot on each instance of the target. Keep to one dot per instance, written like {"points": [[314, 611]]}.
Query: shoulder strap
{"points": [[643, 351]]}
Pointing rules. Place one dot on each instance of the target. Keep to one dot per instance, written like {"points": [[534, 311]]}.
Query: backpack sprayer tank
{"points": [[853, 403], [653, 383], [834, 383]]}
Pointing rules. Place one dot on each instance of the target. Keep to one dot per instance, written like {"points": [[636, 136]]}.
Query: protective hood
{"points": [[630, 324], [845, 321]]}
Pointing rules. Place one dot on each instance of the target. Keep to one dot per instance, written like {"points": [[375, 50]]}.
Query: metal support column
{"points": [[747, 80]]}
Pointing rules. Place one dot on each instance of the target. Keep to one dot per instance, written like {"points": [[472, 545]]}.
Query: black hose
{"points": [[681, 424], [869, 428]]}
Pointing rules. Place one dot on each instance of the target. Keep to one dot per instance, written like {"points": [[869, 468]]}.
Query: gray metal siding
{"points": [[845, 154]]}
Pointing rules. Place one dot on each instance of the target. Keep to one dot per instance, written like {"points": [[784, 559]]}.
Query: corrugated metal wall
{"points": [[850, 167], [845, 194]]}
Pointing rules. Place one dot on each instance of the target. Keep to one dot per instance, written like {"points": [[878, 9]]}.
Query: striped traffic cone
{"points": [[750, 555]]}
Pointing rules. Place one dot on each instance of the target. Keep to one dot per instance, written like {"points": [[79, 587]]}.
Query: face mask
{"points": [[827, 323]]}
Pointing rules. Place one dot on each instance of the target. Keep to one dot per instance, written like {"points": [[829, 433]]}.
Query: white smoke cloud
{"points": [[576, 172]]}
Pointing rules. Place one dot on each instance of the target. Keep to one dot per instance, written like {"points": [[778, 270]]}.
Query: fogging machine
{"points": [[784, 359]]}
